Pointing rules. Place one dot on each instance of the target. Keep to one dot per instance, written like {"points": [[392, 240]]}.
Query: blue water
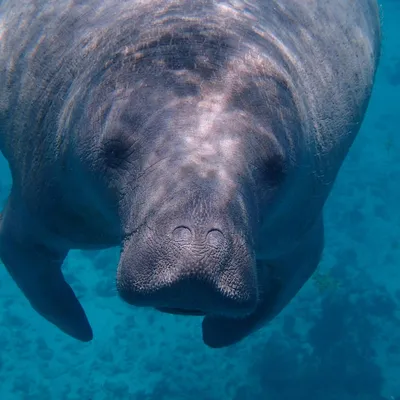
{"points": [[339, 339]]}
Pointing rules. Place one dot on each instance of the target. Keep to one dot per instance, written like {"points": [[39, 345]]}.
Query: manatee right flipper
{"points": [[36, 269]]}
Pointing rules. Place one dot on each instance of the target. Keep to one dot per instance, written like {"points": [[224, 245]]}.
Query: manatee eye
{"points": [[275, 170], [115, 152]]}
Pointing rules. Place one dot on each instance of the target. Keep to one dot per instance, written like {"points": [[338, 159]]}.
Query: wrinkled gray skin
{"points": [[203, 137]]}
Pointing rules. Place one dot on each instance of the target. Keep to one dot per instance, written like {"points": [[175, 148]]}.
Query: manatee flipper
{"points": [[280, 283], [36, 269]]}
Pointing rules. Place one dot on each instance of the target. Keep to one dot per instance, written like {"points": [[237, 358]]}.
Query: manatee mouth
{"points": [[181, 311]]}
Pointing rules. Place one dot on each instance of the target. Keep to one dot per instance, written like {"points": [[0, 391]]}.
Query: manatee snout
{"points": [[200, 264]]}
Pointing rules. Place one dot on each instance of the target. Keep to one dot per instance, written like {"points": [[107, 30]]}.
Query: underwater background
{"points": [[338, 339]]}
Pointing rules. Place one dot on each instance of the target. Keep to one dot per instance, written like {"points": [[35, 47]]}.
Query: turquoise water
{"points": [[339, 339]]}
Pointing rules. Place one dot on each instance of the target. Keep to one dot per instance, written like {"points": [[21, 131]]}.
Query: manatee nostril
{"points": [[215, 237], [182, 233]]}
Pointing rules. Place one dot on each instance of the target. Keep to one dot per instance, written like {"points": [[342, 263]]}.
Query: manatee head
{"points": [[190, 217], [196, 146]]}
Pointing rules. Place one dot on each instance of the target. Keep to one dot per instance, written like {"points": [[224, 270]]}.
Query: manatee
{"points": [[201, 137]]}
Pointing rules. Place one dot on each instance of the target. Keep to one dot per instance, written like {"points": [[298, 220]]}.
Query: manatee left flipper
{"points": [[280, 283], [36, 269]]}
